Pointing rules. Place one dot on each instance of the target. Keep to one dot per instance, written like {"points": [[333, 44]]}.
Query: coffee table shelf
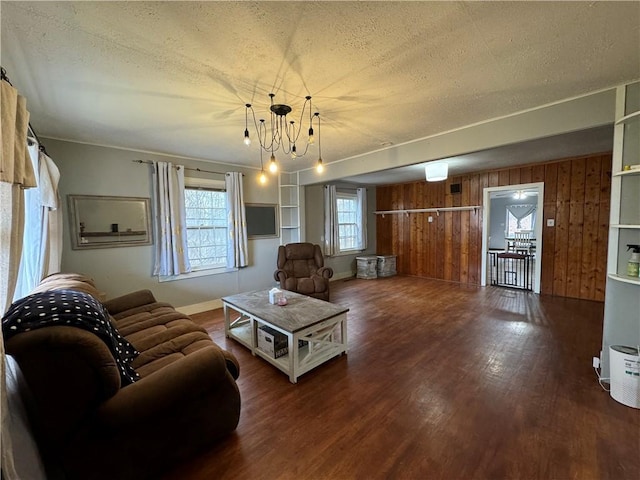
{"points": [[322, 325]]}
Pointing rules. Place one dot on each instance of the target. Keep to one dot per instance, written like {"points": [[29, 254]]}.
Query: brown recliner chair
{"points": [[301, 269]]}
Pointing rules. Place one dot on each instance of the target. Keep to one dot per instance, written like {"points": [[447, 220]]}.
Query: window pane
{"points": [[348, 226], [206, 227]]}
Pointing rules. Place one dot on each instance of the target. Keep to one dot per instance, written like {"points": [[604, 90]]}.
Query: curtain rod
{"points": [[149, 162], [3, 76]]}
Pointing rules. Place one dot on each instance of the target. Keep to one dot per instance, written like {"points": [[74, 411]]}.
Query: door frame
{"points": [[486, 203]]}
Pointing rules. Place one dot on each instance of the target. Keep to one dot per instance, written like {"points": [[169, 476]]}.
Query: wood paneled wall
{"points": [[574, 253]]}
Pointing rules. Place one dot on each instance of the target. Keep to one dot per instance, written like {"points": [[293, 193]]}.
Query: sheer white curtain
{"points": [[331, 233], [361, 218], [16, 173], [42, 250], [237, 250], [172, 255], [521, 211]]}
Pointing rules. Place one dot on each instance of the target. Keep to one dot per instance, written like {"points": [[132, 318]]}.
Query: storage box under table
{"points": [[386, 265], [367, 266], [272, 342]]}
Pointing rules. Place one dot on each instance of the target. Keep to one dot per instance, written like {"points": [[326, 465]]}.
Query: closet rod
{"points": [[421, 210], [149, 162]]}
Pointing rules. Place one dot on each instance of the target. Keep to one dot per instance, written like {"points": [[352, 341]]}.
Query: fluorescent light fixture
{"points": [[435, 172]]}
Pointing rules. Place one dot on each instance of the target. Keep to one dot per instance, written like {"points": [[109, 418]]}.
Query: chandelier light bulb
{"points": [[273, 166], [311, 139], [293, 151], [319, 166], [247, 140], [262, 178]]}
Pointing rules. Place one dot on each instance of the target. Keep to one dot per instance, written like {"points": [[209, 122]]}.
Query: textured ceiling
{"points": [[173, 77]]}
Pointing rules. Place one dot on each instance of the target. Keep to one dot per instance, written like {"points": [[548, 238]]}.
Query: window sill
{"points": [[195, 274], [345, 253]]}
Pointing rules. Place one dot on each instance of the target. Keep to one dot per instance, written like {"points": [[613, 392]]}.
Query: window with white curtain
{"points": [[348, 227], [520, 217], [207, 235]]}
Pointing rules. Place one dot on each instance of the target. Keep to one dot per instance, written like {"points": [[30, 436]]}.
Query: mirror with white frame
{"points": [[103, 222]]}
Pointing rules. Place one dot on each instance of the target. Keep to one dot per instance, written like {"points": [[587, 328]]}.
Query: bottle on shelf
{"points": [[633, 265]]}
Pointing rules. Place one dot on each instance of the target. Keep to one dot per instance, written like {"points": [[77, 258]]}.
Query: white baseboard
{"points": [[200, 307], [213, 304], [342, 275]]}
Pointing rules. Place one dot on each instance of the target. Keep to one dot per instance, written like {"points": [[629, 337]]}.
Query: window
{"points": [[345, 220], [348, 227], [525, 223], [206, 211]]}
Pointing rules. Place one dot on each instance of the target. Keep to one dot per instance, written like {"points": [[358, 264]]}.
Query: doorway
{"points": [[509, 212]]}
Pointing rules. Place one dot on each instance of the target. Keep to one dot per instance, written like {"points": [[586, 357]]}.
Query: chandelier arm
{"points": [[261, 132], [304, 106], [317, 114]]}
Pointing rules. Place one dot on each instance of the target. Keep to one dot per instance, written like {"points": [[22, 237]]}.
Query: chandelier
{"points": [[282, 134]]}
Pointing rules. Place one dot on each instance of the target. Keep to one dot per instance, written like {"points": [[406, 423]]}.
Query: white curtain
{"points": [[521, 211], [331, 233], [42, 250], [362, 218], [237, 249], [16, 173], [172, 255]]}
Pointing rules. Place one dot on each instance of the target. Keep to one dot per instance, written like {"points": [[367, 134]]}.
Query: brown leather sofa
{"points": [[91, 427], [301, 269]]}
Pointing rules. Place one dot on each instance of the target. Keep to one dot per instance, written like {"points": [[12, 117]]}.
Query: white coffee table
{"points": [[321, 324]]}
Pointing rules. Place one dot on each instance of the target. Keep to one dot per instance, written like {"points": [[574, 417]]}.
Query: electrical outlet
{"points": [[596, 362], [430, 219], [551, 222]]}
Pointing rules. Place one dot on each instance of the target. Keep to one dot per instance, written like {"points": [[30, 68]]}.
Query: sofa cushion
{"points": [[161, 334]]}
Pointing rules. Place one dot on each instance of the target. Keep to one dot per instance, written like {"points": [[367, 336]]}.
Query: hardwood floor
{"points": [[441, 381]]}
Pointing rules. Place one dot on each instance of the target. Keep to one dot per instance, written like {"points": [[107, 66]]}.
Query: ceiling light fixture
{"points": [[520, 195], [282, 134], [436, 172]]}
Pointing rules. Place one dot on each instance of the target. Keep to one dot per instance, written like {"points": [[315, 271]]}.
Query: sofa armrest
{"points": [[69, 371], [326, 272], [129, 301], [165, 390], [280, 276]]}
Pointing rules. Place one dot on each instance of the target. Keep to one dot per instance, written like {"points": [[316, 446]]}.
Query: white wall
{"points": [[94, 170], [343, 265]]}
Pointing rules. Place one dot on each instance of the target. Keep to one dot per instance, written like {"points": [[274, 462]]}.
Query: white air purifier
{"points": [[624, 366]]}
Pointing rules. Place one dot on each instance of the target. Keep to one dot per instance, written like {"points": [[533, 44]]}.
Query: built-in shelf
{"points": [[291, 201], [621, 322], [635, 171], [629, 118], [625, 279]]}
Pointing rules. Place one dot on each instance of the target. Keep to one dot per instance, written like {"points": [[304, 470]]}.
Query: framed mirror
{"points": [[105, 222]]}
